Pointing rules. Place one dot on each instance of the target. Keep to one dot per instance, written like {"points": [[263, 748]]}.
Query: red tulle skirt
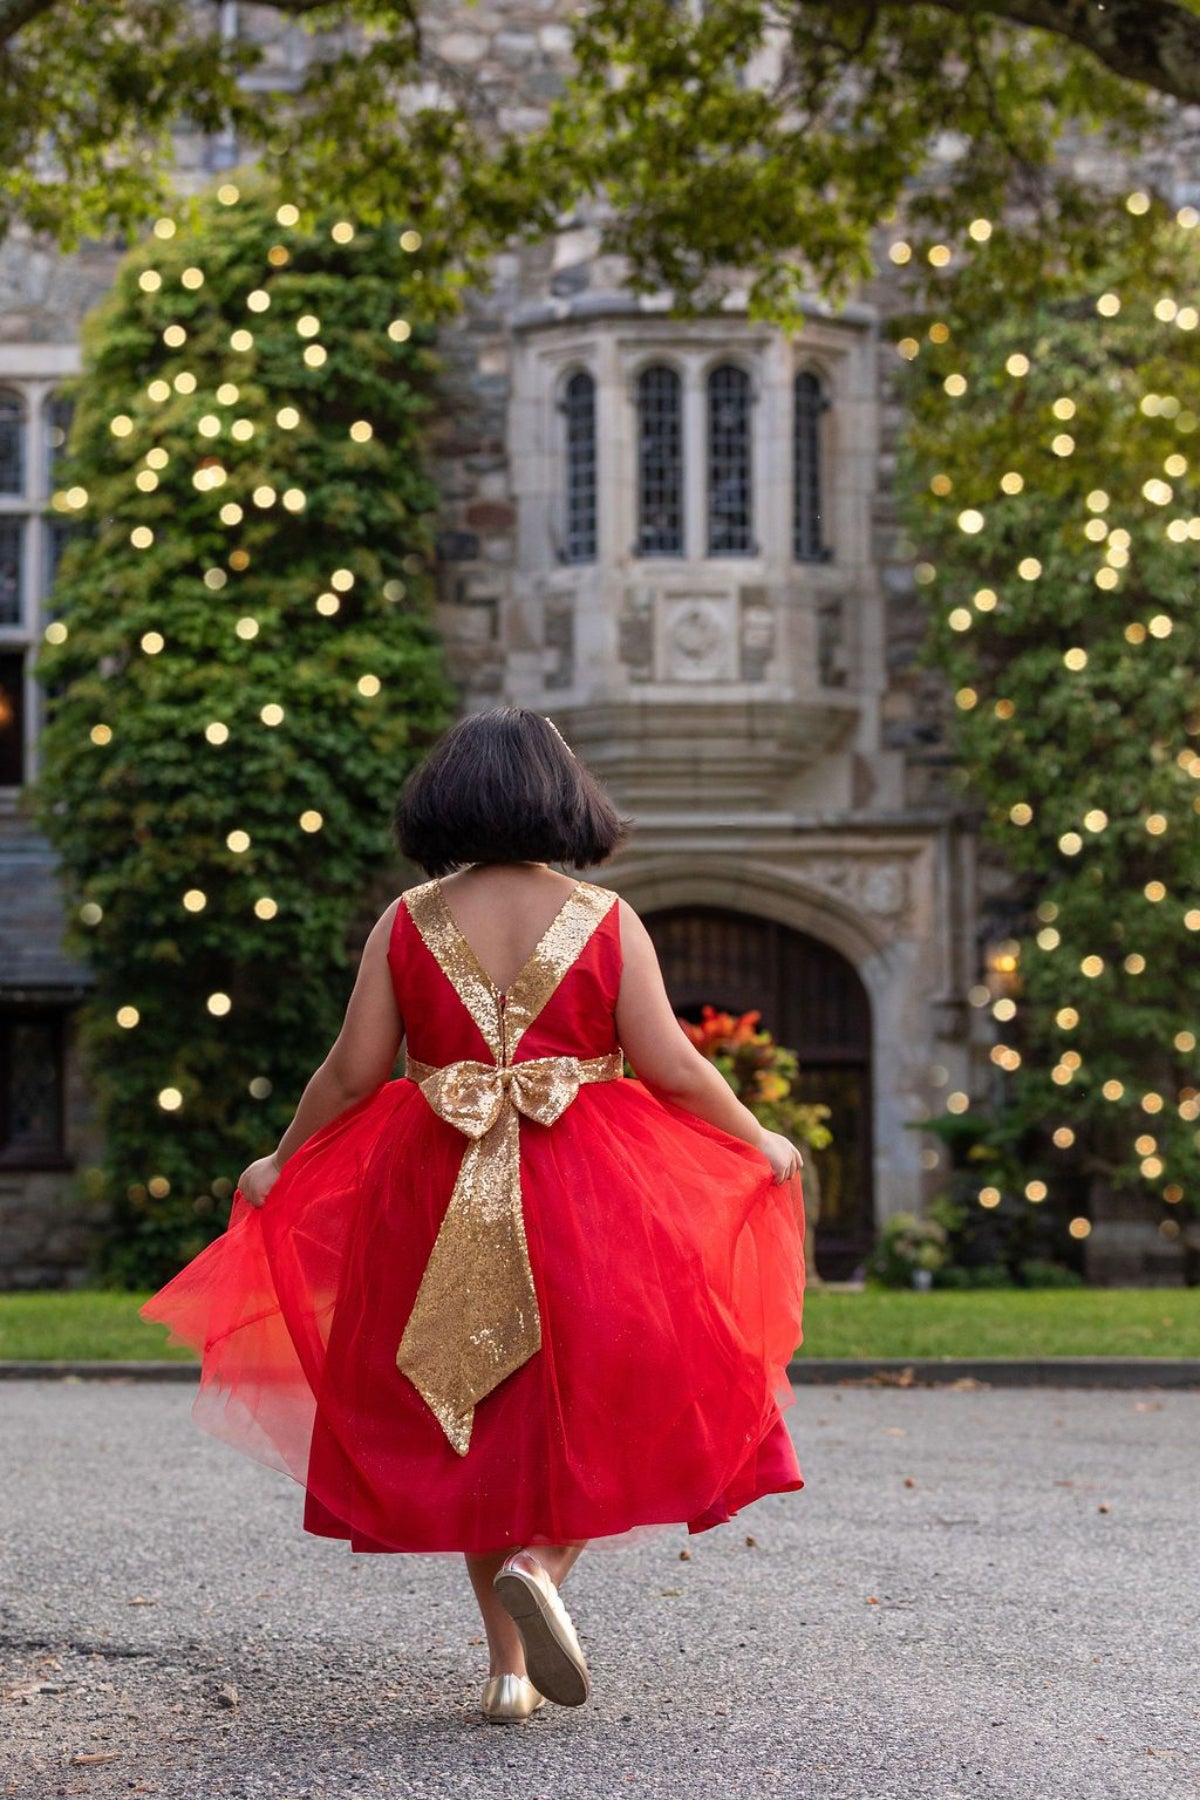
{"points": [[670, 1274]]}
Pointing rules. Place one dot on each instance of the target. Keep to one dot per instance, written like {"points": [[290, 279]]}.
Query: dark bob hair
{"points": [[502, 787]]}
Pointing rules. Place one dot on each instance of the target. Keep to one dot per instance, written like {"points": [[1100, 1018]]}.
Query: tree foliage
{"points": [[240, 669], [742, 136], [1053, 474]]}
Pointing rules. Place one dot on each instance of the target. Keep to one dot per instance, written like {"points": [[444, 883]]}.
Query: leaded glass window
{"points": [[12, 563], [57, 421], [12, 718], [31, 1088], [660, 462], [12, 443], [810, 404], [579, 415], [730, 498]]}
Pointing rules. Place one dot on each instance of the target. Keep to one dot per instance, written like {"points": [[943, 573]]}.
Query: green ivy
{"points": [[240, 639], [1053, 470]]}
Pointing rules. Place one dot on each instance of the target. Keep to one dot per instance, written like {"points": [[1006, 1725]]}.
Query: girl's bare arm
{"points": [[361, 1059], [662, 1057]]}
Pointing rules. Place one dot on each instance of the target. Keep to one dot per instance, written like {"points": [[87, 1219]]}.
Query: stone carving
{"points": [[758, 641], [635, 634], [697, 642], [863, 882], [559, 640]]}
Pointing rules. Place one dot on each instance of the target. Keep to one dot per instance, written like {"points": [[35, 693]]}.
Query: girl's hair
{"points": [[503, 787]]}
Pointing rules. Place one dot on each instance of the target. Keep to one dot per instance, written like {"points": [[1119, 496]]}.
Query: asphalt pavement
{"points": [[981, 1594]]}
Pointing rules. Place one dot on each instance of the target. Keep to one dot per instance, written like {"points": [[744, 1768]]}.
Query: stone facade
{"points": [[759, 715]]}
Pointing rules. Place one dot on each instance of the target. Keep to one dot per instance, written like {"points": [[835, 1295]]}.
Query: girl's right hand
{"points": [[256, 1181], [782, 1154]]}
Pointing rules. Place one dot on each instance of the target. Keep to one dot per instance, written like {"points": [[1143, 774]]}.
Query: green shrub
{"points": [[241, 668]]}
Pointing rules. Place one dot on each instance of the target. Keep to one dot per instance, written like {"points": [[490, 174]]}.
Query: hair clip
{"points": [[558, 734]]}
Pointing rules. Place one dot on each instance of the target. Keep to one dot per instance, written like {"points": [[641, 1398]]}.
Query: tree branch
{"points": [[16, 13], [1154, 42]]}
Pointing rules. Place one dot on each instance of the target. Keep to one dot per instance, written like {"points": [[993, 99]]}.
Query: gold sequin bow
{"points": [[476, 1318]]}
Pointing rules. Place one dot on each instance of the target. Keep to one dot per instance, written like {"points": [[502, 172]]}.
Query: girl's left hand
{"points": [[258, 1179]]}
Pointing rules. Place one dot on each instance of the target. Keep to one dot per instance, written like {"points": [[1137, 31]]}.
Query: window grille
{"points": [[810, 404], [12, 562], [12, 444], [730, 501], [660, 462], [57, 425], [579, 414]]}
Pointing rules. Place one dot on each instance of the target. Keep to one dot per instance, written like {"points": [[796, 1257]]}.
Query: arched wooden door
{"points": [[812, 1000]]}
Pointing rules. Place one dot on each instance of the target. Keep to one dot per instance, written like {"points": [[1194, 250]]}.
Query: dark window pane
{"points": [[660, 462], [57, 426], [729, 495], [58, 535], [810, 405], [31, 1087], [12, 563], [12, 444], [579, 408], [12, 719]]}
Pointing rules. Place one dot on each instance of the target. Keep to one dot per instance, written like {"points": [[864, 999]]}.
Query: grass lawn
{"points": [[95, 1326], [1028, 1322]]}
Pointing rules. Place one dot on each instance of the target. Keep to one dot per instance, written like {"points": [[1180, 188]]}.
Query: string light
{"points": [[170, 1099], [315, 356], [400, 331], [311, 820], [128, 1017], [265, 907]]}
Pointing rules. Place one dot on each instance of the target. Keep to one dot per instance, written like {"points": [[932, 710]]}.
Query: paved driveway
{"points": [[990, 1594]]}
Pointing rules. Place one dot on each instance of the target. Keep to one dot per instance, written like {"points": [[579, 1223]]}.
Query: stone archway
{"points": [[812, 999]]}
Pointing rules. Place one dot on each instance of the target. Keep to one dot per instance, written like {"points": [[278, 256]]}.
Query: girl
{"points": [[513, 1301]]}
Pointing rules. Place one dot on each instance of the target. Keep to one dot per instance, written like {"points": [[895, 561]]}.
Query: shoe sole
{"points": [[550, 1662], [513, 1718]]}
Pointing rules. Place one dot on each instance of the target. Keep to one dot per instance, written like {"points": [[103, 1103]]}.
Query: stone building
{"points": [[678, 539]]}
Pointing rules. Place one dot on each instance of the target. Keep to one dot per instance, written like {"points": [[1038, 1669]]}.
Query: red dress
{"points": [[667, 1278]]}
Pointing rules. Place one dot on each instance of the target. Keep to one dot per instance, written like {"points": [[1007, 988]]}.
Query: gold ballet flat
{"points": [[556, 1663], [509, 1698]]}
